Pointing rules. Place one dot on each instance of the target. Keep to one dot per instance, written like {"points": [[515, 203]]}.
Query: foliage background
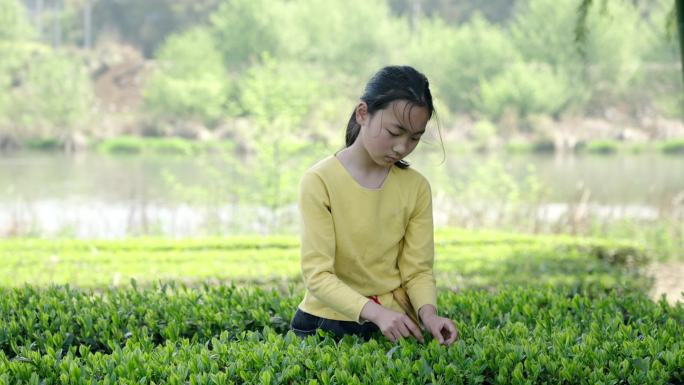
{"points": [[226, 69]]}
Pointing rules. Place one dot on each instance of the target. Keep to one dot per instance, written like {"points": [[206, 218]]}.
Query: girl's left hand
{"points": [[443, 329]]}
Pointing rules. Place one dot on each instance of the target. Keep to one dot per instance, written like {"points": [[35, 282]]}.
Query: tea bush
{"points": [[529, 309], [222, 335]]}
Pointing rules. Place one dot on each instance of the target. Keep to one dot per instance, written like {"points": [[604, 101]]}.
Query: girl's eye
{"points": [[392, 133]]}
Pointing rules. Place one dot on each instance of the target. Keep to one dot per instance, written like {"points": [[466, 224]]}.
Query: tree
{"points": [[244, 29], [60, 92], [278, 95], [16, 34], [456, 12], [456, 59], [191, 81], [585, 6], [14, 23], [607, 67], [528, 87], [353, 36], [43, 92], [143, 24]]}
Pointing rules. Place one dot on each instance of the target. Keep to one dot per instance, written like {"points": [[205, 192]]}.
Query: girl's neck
{"points": [[356, 157]]}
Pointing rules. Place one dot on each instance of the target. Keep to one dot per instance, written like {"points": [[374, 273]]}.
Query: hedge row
{"points": [[221, 335]]}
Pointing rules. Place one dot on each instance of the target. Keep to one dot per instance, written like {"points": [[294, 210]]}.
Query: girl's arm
{"points": [[318, 250], [392, 324], [416, 258], [416, 268], [427, 311]]}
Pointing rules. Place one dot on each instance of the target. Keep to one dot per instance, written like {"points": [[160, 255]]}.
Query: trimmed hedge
{"points": [[223, 335]]}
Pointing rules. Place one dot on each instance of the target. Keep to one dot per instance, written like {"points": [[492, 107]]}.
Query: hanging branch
{"points": [[583, 12]]}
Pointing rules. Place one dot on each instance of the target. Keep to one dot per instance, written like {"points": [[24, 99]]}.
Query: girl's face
{"points": [[392, 133]]}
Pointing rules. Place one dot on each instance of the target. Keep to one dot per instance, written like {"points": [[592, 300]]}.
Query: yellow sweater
{"points": [[358, 242]]}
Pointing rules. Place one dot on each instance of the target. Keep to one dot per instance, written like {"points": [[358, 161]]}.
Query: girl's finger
{"points": [[452, 331], [403, 330], [438, 334], [415, 331]]}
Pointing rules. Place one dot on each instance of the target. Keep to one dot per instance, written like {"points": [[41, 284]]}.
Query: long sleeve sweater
{"points": [[358, 242]]}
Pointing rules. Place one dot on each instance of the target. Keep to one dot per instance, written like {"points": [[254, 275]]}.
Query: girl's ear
{"points": [[362, 113]]}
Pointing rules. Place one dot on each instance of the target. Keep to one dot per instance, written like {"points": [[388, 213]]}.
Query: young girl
{"points": [[367, 246]]}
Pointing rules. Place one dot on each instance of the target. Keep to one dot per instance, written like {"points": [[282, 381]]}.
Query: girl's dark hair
{"points": [[387, 85]]}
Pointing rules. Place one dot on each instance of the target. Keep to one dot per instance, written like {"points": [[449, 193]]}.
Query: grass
{"points": [[463, 260], [128, 145]]}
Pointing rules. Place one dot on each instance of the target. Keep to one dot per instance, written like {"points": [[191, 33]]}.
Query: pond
{"points": [[104, 196]]}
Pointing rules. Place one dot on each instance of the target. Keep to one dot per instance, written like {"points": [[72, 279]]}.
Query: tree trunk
{"points": [[87, 24], [39, 18], [415, 16], [57, 23], [679, 4]]}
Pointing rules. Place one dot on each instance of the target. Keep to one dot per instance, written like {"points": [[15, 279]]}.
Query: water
{"points": [[100, 196]]}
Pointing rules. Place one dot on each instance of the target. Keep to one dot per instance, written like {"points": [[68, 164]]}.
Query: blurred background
{"points": [[123, 118]]}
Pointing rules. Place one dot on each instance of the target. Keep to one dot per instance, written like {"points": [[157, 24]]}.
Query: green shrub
{"points": [[121, 145], [42, 144], [483, 132], [638, 147], [544, 145], [675, 146], [604, 147], [172, 146], [162, 146], [519, 147]]}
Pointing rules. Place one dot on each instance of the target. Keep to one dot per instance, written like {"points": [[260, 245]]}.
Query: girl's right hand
{"points": [[395, 325], [392, 324]]}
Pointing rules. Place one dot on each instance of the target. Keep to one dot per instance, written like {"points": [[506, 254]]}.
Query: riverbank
{"points": [[131, 145]]}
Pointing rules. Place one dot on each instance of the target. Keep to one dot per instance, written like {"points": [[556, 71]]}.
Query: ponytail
{"points": [[353, 129]]}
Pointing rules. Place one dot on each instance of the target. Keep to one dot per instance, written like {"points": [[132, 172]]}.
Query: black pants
{"points": [[304, 324]]}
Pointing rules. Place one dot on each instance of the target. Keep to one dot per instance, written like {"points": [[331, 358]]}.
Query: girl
{"points": [[367, 245]]}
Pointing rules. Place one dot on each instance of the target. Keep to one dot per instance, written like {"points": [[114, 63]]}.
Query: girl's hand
{"points": [[443, 329], [395, 325], [392, 324]]}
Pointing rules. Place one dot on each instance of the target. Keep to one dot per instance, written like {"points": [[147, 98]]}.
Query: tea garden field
{"points": [[529, 310]]}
